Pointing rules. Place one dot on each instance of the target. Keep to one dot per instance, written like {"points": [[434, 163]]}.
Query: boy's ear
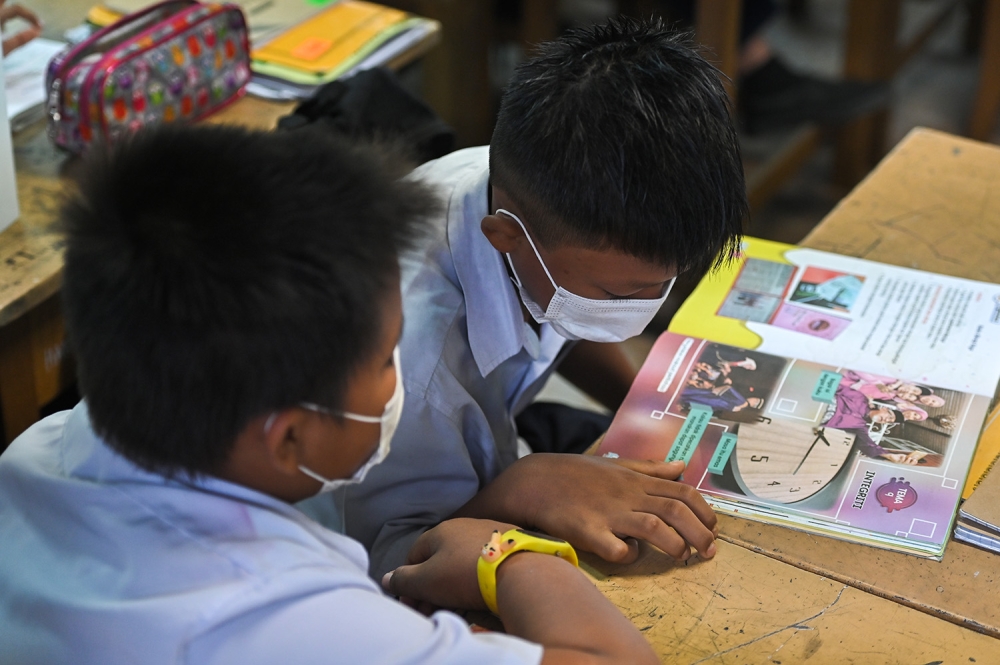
{"points": [[283, 440], [503, 233]]}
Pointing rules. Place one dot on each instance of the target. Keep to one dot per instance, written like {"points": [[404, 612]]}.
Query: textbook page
{"points": [[869, 316], [815, 446]]}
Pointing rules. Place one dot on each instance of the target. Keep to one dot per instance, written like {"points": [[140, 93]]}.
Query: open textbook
{"points": [[864, 426], [875, 317]]}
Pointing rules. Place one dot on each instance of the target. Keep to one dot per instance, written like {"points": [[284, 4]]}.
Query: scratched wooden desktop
{"points": [[771, 594]]}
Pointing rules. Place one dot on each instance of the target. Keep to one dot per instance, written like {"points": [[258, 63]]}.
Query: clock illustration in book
{"points": [[787, 462]]}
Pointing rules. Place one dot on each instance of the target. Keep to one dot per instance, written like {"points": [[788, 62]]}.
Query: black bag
{"points": [[373, 105]]}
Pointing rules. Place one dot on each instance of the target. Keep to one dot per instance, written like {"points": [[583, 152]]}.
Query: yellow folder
{"points": [[326, 40]]}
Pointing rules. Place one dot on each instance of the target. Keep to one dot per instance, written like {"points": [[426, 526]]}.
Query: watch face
{"points": [[787, 462]]}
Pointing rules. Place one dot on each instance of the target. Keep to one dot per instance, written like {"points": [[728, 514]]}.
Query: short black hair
{"points": [[214, 274], [620, 136]]}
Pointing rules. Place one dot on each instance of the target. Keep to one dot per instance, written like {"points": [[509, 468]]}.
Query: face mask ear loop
{"points": [[313, 474], [342, 414], [533, 248], [669, 287]]}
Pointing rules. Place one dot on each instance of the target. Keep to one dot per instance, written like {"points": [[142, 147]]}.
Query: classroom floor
{"points": [[935, 89]]}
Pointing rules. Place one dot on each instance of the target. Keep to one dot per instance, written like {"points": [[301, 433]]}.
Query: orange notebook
{"points": [[327, 40], [987, 453]]}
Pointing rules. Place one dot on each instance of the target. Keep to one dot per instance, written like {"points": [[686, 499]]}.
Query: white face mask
{"points": [[576, 317], [388, 421]]}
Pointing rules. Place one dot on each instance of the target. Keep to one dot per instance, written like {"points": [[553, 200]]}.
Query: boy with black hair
{"points": [[233, 304], [614, 167]]}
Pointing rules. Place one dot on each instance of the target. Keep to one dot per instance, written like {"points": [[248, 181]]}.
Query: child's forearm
{"points": [[546, 600]]}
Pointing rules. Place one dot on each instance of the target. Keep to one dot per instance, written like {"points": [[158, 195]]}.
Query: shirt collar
{"points": [[86, 456], [496, 326]]}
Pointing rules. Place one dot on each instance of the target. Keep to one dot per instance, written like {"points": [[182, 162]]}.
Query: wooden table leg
{"points": [[987, 104], [456, 74], [34, 367], [717, 26], [870, 55]]}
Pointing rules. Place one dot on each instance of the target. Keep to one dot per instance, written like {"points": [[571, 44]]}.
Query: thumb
{"points": [[400, 582]]}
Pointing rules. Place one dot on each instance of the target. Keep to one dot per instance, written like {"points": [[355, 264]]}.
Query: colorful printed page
{"points": [[878, 459], [883, 319]]}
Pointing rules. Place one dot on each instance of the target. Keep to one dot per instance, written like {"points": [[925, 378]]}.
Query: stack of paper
{"points": [[299, 45], [335, 43], [8, 185], [24, 80], [979, 518]]}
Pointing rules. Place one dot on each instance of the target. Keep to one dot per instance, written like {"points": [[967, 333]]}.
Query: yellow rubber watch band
{"points": [[502, 546]]}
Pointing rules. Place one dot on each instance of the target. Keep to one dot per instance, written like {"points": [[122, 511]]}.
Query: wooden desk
{"points": [[34, 365]]}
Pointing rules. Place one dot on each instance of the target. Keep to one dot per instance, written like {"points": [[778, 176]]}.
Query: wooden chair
{"points": [[987, 104], [456, 81], [872, 53]]}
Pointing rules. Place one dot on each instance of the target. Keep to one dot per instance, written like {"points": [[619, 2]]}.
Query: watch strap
{"points": [[502, 546]]}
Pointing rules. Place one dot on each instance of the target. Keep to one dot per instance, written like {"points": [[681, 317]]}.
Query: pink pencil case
{"points": [[175, 60]]}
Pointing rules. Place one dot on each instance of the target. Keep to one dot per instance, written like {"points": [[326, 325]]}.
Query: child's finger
{"points": [[403, 583], [17, 11], [20, 39], [663, 470], [654, 530], [433, 584], [688, 496], [608, 546], [674, 530]]}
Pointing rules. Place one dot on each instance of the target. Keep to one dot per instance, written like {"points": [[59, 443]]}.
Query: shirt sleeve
{"points": [[353, 625]]}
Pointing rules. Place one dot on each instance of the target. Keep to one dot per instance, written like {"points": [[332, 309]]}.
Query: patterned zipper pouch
{"points": [[175, 60]]}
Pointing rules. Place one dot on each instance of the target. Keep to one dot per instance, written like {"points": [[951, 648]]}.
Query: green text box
{"points": [[826, 386], [722, 452], [690, 433]]}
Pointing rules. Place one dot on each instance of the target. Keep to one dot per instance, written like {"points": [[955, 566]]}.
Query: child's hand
{"points": [[8, 12], [441, 565], [595, 503]]}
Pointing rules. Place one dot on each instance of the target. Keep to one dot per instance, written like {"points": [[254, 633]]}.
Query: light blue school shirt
{"points": [[102, 562], [470, 364]]}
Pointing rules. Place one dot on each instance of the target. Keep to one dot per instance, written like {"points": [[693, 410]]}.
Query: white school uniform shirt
{"points": [[470, 365], [102, 562]]}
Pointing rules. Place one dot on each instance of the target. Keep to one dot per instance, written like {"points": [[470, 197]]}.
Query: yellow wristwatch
{"points": [[502, 546]]}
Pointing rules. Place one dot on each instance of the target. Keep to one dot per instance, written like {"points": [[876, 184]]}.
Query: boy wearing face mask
{"points": [[614, 167], [233, 305]]}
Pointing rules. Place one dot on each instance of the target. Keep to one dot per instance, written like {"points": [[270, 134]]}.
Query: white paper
{"points": [[935, 329], [8, 189], [24, 75]]}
